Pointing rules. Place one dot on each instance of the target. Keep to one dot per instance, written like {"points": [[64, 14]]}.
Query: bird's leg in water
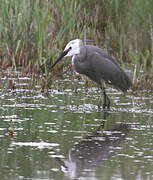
{"points": [[106, 99]]}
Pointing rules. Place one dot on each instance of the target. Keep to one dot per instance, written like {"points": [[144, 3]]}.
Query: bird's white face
{"points": [[74, 46]]}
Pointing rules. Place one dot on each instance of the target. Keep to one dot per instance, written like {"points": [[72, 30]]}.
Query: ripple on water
{"points": [[39, 145]]}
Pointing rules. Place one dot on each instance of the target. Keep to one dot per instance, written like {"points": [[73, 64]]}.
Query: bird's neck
{"points": [[73, 60]]}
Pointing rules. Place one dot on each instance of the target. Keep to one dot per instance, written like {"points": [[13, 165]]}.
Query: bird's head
{"points": [[71, 49]]}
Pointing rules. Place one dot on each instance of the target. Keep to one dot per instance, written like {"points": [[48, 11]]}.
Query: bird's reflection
{"points": [[92, 151]]}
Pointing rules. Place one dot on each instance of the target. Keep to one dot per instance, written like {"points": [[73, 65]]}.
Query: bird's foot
{"points": [[106, 104]]}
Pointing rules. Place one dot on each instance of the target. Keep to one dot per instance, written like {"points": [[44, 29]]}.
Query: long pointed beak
{"points": [[60, 57]]}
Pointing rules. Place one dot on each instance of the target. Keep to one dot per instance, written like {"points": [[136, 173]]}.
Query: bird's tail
{"points": [[127, 83]]}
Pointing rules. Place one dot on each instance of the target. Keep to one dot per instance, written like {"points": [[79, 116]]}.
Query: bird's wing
{"points": [[109, 71]]}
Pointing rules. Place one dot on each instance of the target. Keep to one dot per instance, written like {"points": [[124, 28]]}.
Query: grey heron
{"points": [[96, 64]]}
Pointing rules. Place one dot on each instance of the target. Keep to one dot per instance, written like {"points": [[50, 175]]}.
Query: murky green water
{"points": [[62, 135]]}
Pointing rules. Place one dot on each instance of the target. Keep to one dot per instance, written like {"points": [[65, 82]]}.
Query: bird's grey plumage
{"points": [[98, 65]]}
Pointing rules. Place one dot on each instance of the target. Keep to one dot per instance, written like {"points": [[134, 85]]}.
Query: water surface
{"points": [[62, 134]]}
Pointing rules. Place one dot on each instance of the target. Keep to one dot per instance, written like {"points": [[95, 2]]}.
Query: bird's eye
{"points": [[70, 48]]}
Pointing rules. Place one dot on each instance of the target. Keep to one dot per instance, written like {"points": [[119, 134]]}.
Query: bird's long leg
{"points": [[106, 99]]}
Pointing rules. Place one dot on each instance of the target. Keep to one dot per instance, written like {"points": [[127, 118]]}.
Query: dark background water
{"points": [[63, 134]]}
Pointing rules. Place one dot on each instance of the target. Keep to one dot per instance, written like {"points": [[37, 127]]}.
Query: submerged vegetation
{"points": [[32, 32]]}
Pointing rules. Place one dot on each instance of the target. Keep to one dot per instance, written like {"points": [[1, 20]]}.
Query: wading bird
{"points": [[96, 64]]}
